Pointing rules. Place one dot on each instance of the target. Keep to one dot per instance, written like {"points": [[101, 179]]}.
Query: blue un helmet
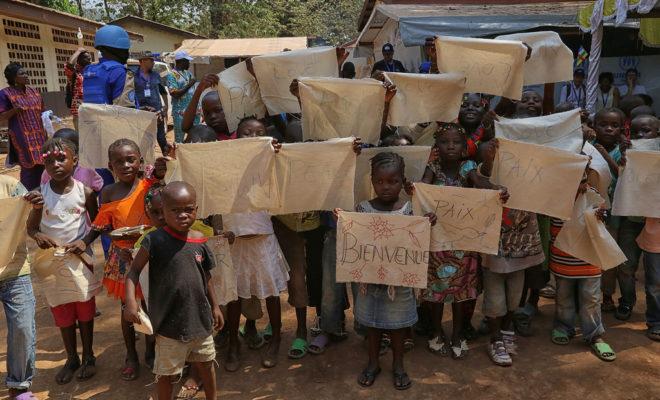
{"points": [[112, 36]]}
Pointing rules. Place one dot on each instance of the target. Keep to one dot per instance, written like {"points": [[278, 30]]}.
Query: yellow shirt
{"points": [[19, 265]]}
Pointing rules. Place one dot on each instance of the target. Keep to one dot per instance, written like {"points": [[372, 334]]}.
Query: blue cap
{"points": [[388, 47], [112, 36]]}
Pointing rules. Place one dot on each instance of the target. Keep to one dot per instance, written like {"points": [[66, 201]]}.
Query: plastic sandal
{"points": [[298, 349], [653, 334], [603, 351], [25, 396], [367, 378], [437, 346], [87, 369], [319, 344], [401, 381], [459, 352], [267, 333], [559, 337]]}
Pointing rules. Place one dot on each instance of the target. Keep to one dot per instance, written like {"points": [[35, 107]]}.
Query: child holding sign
{"points": [[378, 307], [61, 215], [609, 127], [453, 276], [578, 282], [261, 269], [122, 205]]}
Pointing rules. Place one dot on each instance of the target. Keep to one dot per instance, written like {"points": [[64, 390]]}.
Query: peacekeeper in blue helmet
{"points": [[109, 81]]}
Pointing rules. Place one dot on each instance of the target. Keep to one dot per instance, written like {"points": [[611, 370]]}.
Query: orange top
{"points": [[649, 239], [126, 212]]}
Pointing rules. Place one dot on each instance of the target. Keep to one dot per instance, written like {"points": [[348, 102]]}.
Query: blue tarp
{"points": [[414, 30]]}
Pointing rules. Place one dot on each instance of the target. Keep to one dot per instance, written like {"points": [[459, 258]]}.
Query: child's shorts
{"points": [[502, 292], [172, 354], [66, 315]]}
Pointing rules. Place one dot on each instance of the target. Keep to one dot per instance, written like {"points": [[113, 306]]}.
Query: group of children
{"points": [[272, 254]]}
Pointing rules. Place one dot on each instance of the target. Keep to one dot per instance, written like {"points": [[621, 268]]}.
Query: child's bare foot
{"points": [[401, 379], [65, 375], [269, 358], [88, 369], [233, 359]]}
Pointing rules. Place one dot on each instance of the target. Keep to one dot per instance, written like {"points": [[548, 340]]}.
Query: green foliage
{"points": [[60, 5], [335, 21]]}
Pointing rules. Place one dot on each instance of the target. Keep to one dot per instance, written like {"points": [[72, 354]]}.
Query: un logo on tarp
{"points": [[628, 62]]}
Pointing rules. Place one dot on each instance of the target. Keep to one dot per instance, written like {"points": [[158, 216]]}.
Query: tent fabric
{"points": [[419, 21]]}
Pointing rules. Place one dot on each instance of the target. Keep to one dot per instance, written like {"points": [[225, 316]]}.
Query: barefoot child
{"points": [[578, 280], [378, 307], [183, 310], [453, 276], [61, 215], [122, 205], [262, 271]]}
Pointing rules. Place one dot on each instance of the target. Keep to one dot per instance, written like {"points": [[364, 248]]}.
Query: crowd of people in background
{"points": [[72, 206]]}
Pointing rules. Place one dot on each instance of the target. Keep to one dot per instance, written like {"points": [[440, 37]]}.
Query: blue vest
{"points": [[96, 85]]}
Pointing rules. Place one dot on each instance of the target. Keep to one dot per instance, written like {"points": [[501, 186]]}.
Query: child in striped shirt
{"points": [[577, 282]]}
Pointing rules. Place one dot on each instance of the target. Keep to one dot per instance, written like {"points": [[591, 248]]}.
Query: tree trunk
{"points": [[80, 8]]}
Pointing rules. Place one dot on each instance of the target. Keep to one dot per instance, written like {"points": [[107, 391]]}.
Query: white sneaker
{"points": [[499, 355], [509, 339]]}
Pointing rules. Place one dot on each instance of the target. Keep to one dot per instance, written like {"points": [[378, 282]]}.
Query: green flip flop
{"points": [[267, 333], [559, 337], [298, 349], [603, 351]]}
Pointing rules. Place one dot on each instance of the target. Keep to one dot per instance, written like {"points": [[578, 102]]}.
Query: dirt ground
{"points": [[542, 370]]}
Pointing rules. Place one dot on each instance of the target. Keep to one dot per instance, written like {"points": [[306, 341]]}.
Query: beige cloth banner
{"points": [[562, 130], [14, 212], [539, 179], [276, 71], [316, 176], [224, 273], [99, 125], [240, 95], [230, 176], [491, 66], [64, 279], [586, 238], [468, 219], [646, 144], [602, 169], [415, 157], [335, 107], [551, 60], [383, 248], [425, 97], [638, 188]]}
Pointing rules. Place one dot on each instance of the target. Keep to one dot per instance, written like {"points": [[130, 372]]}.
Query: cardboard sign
{"points": [[64, 279], [231, 175], [491, 66], [638, 187], [586, 238], [468, 219], [415, 158], [646, 144], [239, 95], [561, 131], [335, 107], [539, 179], [13, 216], [383, 248], [316, 176], [99, 125], [425, 98], [224, 273], [276, 71], [551, 60]]}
